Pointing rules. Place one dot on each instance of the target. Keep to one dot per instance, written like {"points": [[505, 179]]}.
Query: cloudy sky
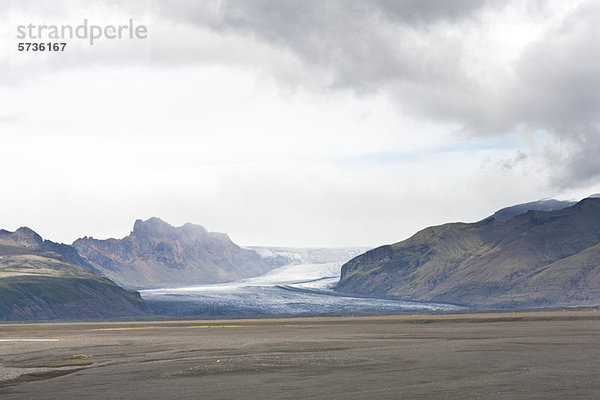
{"points": [[298, 123]]}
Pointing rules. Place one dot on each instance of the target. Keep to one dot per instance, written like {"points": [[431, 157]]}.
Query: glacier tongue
{"points": [[297, 289]]}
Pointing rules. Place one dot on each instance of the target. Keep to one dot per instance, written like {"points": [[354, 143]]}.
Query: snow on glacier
{"points": [[290, 290]]}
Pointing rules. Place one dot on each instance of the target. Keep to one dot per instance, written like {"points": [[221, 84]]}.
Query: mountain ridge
{"points": [[539, 205], [491, 263], [27, 237]]}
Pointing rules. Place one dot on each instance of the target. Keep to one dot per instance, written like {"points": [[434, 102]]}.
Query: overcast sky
{"points": [[297, 123]]}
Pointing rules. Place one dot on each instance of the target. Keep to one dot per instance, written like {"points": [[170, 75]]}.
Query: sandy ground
{"points": [[525, 355]]}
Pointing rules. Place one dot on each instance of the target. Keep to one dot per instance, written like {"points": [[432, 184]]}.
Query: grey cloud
{"points": [[415, 52], [362, 45], [558, 91], [285, 16], [509, 164], [426, 11], [559, 76], [574, 156], [412, 50]]}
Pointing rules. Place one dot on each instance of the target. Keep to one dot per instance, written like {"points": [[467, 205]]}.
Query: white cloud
{"points": [[328, 125]]}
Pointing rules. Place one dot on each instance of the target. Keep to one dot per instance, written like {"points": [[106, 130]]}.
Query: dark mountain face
{"points": [[157, 254], [536, 258], [38, 285]]}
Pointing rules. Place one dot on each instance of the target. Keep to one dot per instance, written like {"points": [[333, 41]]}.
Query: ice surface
{"points": [[291, 290]]}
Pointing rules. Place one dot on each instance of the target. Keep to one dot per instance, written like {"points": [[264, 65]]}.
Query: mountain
{"points": [[540, 205], [39, 285], [27, 237], [157, 254], [532, 259]]}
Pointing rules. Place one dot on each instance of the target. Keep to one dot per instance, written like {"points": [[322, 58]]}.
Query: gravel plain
{"points": [[541, 355]]}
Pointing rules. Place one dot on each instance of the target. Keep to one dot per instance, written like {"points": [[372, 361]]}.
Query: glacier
{"points": [[295, 289]]}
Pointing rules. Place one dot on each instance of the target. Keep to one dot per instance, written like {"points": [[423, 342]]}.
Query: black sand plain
{"points": [[541, 355]]}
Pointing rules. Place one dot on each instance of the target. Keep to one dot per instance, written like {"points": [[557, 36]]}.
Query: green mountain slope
{"points": [[37, 285], [538, 258]]}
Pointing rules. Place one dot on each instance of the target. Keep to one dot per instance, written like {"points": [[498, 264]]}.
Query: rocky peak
{"points": [[195, 230], [153, 227], [24, 237], [159, 229]]}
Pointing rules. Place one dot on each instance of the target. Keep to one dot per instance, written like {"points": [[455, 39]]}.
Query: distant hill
{"points": [[27, 237], [157, 254], [516, 258], [39, 285]]}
